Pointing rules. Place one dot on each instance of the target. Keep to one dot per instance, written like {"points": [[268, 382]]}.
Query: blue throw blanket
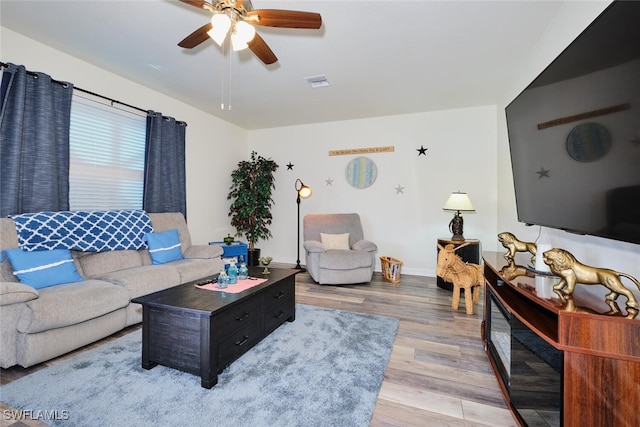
{"points": [[88, 231]]}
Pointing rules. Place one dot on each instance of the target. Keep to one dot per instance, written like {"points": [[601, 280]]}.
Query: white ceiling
{"points": [[381, 57]]}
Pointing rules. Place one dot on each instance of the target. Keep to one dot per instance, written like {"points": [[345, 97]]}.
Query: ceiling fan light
{"points": [[237, 45], [220, 24], [242, 34]]}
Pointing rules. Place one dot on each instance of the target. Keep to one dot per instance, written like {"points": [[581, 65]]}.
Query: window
{"points": [[107, 150]]}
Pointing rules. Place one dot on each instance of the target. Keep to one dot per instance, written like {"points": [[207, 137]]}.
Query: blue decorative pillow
{"points": [[41, 269], [165, 246]]}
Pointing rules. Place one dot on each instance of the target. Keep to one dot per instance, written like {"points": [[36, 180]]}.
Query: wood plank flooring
{"points": [[438, 373]]}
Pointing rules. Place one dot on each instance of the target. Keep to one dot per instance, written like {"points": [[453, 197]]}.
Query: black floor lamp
{"points": [[302, 192]]}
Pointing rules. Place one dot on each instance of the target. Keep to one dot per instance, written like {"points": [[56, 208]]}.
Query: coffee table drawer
{"points": [[236, 344], [236, 317], [279, 315], [275, 295]]}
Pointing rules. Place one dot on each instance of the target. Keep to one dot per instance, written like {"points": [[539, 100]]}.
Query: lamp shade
{"points": [[304, 191], [459, 201]]}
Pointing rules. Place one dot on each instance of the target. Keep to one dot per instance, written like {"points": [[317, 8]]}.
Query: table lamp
{"points": [[457, 202]]}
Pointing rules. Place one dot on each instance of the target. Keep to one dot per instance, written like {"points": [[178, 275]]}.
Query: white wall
{"points": [[213, 146], [571, 20], [461, 155]]}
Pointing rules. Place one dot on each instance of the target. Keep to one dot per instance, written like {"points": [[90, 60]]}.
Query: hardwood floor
{"points": [[438, 373]]}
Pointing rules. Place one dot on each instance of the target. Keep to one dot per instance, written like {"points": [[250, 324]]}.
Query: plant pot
{"points": [[253, 258]]}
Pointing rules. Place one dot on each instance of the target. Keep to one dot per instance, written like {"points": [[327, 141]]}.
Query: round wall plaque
{"points": [[361, 172], [588, 142]]}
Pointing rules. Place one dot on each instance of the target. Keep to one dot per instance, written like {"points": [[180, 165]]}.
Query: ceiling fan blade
{"points": [[259, 47], [286, 18], [196, 3], [195, 38]]}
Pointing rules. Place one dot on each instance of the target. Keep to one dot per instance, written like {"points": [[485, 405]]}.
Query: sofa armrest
{"points": [[364, 246], [313, 246], [14, 293], [203, 251]]}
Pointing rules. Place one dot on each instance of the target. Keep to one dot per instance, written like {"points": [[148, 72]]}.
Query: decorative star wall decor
{"points": [[422, 151], [290, 166], [543, 173], [399, 189], [329, 181]]}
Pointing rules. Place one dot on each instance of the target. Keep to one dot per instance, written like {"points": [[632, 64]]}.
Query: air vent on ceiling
{"points": [[318, 81]]}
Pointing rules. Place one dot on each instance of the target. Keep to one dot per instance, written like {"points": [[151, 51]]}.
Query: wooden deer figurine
{"points": [[463, 275]]}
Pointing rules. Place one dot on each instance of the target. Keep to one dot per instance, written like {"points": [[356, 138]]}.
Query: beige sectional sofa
{"points": [[39, 324]]}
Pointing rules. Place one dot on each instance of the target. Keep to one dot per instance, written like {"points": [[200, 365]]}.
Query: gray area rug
{"points": [[324, 369]]}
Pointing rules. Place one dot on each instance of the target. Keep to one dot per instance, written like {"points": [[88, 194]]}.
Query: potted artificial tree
{"points": [[250, 192]]}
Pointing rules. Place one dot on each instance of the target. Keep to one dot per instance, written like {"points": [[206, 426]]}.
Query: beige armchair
{"points": [[335, 249]]}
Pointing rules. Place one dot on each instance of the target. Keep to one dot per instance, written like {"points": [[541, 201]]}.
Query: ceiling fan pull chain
{"points": [[222, 77], [230, 80]]}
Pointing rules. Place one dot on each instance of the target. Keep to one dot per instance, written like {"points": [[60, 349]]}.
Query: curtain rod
{"points": [[3, 65]]}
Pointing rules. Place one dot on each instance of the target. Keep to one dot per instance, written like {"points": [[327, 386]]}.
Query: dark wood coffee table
{"points": [[202, 331]]}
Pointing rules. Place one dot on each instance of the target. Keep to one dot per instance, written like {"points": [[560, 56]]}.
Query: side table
{"points": [[234, 251], [470, 253]]}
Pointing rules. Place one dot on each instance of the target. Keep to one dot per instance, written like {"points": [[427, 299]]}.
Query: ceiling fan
{"points": [[238, 18]]}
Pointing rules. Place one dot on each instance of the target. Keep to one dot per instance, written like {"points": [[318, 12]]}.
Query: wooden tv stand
{"points": [[600, 375]]}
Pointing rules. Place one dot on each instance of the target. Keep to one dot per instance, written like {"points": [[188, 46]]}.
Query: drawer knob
{"points": [[279, 295], [244, 316]]}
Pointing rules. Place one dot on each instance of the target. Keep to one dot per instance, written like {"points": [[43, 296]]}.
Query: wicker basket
{"points": [[391, 268]]}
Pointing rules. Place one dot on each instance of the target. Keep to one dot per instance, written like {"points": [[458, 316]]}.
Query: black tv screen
{"points": [[574, 133]]}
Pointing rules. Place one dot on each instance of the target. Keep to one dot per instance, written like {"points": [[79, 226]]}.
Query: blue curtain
{"points": [[164, 177], [34, 142]]}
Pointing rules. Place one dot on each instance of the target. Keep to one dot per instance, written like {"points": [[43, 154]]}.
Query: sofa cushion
{"points": [[94, 264], [69, 304], [345, 260], [144, 280], [164, 246], [41, 269], [204, 252], [14, 293], [194, 269]]}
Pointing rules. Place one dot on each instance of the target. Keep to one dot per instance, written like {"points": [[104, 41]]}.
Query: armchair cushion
{"points": [[345, 260], [313, 246], [364, 245]]}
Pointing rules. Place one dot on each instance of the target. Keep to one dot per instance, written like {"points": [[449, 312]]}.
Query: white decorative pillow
{"points": [[335, 241]]}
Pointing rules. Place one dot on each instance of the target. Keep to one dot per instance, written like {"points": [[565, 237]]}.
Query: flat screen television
{"points": [[574, 133]]}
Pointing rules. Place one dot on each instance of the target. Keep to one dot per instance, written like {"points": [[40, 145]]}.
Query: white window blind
{"points": [[106, 168]]}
